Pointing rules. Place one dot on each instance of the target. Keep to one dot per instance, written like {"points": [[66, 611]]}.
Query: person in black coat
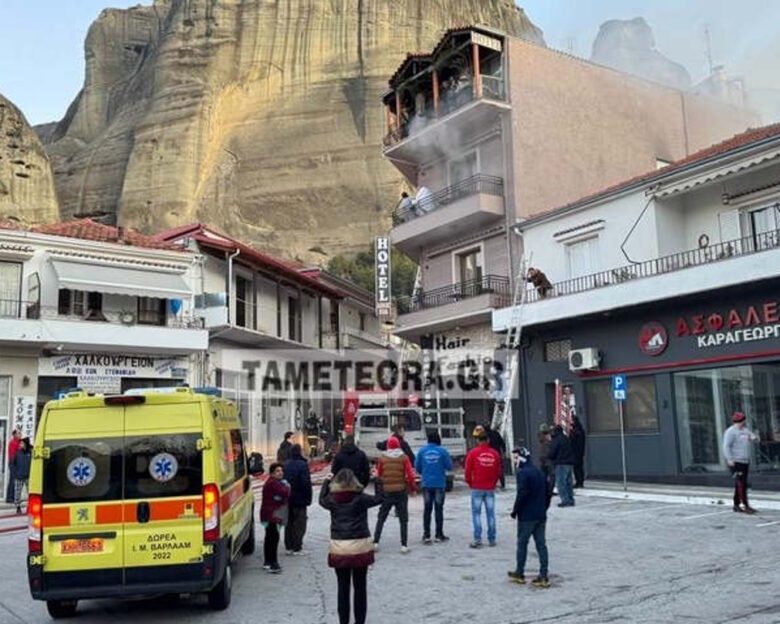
{"points": [[283, 454], [350, 456], [399, 434], [578, 438], [561, 455], [530, 511], [21, 471], [350, 550], [496, 442], [296, 473]]}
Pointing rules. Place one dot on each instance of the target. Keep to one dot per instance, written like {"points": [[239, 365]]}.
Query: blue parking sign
{"points": [[619, 387]]}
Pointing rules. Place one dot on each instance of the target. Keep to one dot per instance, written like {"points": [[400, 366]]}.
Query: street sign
{"points": [[619, 387]]}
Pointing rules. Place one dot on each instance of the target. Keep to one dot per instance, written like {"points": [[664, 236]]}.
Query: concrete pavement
{"points": [[612, 560]]}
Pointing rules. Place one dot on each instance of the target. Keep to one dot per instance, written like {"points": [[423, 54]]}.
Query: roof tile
{"points": [[87, 229]]}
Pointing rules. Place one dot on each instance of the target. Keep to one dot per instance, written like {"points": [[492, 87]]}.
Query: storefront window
{"points": [[639, 410], [706, 399]]}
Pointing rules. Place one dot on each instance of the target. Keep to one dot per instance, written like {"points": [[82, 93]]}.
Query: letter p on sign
{"points": [[619, 387]]}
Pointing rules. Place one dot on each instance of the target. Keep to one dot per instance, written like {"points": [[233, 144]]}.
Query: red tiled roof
{"points": [[207, 237], [87, 229], [8, 225], [744, 139]]}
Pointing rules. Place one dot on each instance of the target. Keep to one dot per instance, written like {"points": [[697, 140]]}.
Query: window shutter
{"points": [[728, 222]]}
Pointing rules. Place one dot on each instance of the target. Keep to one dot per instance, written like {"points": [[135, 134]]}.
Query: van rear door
{"points": [[82, 496], [163, 507]]}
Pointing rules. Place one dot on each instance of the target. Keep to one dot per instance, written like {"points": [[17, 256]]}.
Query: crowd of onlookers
{"points": [[398, 474]]}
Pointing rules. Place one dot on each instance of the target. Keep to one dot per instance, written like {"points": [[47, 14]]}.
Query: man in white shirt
{"points": [[737, 440], [424, 200]]}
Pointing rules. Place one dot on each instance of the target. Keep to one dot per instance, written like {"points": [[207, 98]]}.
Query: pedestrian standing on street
{"points": [[273, 515], [496, 441], [395, 469], [578, 438], [482, 471], [561, 455], [530, 511], [296, 473], [398, 434], [736, 449], [350, 550], [21, 471], [432, 463], [350, 456], [548, 470], [13, 447], [283, 453]]}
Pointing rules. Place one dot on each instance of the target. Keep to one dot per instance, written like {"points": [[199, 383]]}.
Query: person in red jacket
{"points": [[482, 472], [396, 471], [273, 514], [13, 447]]}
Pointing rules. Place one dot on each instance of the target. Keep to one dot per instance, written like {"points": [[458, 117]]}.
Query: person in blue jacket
{"points": [[432, 463], [530, 510]]}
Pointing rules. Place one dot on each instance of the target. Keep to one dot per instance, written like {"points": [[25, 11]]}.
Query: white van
{"points": [[374, 425]]}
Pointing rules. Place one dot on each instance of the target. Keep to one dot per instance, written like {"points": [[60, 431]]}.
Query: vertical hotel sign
{"points": [[382, 277]]}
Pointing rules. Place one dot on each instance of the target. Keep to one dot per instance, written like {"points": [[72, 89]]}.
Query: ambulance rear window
{"points": [[83, 471], [163, 466]]}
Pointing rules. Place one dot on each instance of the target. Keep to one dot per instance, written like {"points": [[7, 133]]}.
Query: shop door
{"points": [[163, 493]]}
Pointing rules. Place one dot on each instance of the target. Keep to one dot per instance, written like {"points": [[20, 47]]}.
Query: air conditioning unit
{"points": [[584, 359]]}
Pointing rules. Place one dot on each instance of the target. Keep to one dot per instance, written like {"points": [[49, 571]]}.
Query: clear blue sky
{"points": [[42, 41], [42, 52]]}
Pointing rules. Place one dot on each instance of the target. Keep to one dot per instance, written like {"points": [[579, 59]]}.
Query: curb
{"points": [[760, 503]]}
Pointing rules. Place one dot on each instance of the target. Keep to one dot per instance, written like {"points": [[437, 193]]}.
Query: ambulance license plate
{"points": [[71, 547]]}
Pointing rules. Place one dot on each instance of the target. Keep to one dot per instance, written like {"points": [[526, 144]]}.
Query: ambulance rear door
{"points": [[163, 507]]}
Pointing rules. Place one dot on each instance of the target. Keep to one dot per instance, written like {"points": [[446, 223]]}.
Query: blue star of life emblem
{"points": [[81, 471], [163, 467]]}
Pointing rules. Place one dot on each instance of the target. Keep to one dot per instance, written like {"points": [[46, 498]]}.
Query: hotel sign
{"points": [[382, 276], [485, 41]]}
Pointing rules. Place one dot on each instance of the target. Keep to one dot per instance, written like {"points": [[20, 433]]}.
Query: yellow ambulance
{"points": [[137, 494]]}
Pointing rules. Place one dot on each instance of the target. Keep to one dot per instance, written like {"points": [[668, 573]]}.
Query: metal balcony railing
{"points": [[30, 310], [449, 102], [488, 284], [665, 264], [479, 183]]}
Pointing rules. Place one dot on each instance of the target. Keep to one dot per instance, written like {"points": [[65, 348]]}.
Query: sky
{"points": [[42, 43], [42, 52]]}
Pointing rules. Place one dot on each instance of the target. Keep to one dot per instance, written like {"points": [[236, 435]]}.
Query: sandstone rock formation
{"points": [[27, 190], [261, 117], [629, 46]]}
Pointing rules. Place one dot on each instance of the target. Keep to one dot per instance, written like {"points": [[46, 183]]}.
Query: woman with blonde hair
{"points": [[350, 550]]}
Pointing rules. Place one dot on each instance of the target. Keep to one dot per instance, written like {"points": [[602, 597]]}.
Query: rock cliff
{"points": [[27, 190], [629, 46], [259, 116]]}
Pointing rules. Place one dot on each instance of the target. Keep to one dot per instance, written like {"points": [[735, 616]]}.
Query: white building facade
{"points": [[672, 279], [261, 311], [91, 307]]}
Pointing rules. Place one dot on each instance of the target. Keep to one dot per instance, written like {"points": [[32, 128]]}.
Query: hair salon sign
{"points": [[738, 325]]}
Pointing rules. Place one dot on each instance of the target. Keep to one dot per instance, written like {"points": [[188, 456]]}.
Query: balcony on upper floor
{"points": [[460, 85], [27, 323], [469, 205], [743, 260], [461, 303]]}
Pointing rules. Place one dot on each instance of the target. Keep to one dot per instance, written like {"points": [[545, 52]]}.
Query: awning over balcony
{"points": [[120, 280]]}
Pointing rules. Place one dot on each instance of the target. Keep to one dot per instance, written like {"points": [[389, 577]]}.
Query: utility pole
{"points": [[708, 42]]}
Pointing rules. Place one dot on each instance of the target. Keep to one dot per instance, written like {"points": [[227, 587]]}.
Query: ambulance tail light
{"points": [[34, 523], [210, 513]]}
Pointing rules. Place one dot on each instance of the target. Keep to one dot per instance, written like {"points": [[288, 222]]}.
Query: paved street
{"points": [[611, 561]]}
